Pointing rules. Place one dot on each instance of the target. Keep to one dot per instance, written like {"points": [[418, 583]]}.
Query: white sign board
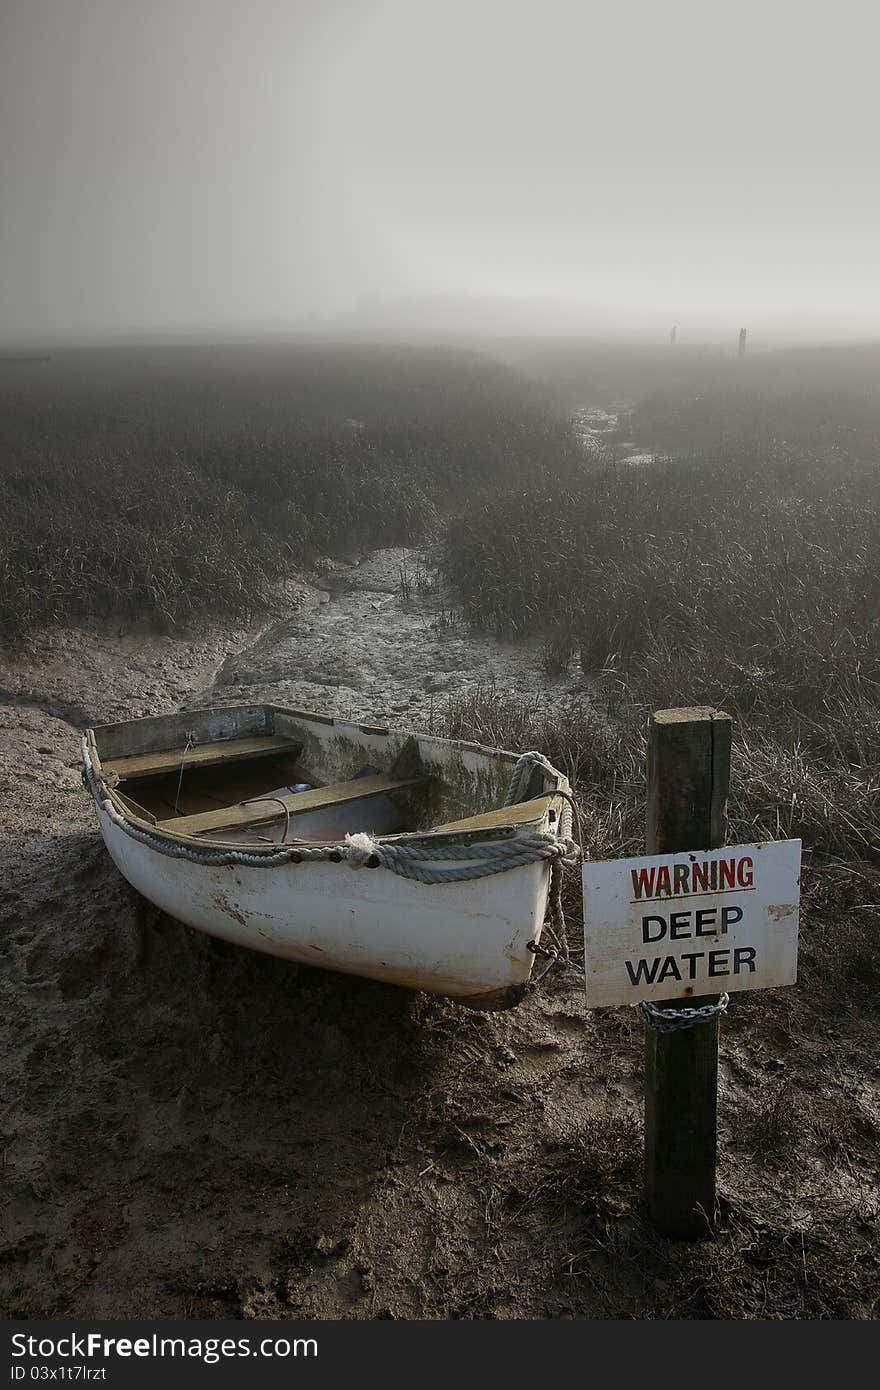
{"points": [[675, 926]]}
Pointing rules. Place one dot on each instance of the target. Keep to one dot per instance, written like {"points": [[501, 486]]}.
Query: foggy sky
{"points": [[198, 164]]}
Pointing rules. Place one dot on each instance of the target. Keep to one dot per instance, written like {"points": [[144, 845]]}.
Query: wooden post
{"points": [[688, 779], [742, 343]]}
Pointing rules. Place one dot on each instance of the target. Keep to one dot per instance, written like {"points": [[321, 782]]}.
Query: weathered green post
{"points": [[688, 780]]}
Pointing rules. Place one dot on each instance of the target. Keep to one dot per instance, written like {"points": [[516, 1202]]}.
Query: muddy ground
{"points": [[192, 1130]]}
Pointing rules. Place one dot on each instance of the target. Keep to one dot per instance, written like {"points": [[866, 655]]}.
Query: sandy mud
{"points": [[376, 640]]}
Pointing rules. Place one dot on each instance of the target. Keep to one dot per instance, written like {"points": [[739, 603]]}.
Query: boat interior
{"points": [[259, 789], [273, 781]]}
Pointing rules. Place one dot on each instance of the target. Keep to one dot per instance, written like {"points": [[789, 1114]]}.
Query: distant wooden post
{"points": [[742, 342], [673, 337], [688, 780]]}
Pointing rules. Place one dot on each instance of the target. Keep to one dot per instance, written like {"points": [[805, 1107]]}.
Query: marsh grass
{"points": [[175, 483], [756, 584]]}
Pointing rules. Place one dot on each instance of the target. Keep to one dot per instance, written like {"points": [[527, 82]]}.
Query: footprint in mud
{"points": [[75, 977], [38, 965], [573, 1024], [83, 978]]}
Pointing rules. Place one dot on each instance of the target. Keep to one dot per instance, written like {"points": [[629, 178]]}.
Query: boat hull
{"points": [[467, 940]]}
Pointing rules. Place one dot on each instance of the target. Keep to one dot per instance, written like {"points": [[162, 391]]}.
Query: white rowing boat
{"points": [[421, 861]]}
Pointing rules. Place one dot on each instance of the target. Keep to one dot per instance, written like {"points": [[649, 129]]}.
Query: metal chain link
{"points": [[552, 958], [671, 1020]]}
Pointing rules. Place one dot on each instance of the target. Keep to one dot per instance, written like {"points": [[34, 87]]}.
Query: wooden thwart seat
{"points": [[231, 750], [257, 812], [523, 813]]}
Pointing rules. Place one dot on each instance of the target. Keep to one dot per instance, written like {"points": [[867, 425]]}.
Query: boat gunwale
{"points": [[258, 847]]}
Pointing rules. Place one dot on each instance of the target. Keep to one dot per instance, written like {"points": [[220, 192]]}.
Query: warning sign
{"points": [[674, 926]]}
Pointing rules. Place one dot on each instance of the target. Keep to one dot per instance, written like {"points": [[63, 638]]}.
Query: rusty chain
{"points": [[671, 1020]]}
